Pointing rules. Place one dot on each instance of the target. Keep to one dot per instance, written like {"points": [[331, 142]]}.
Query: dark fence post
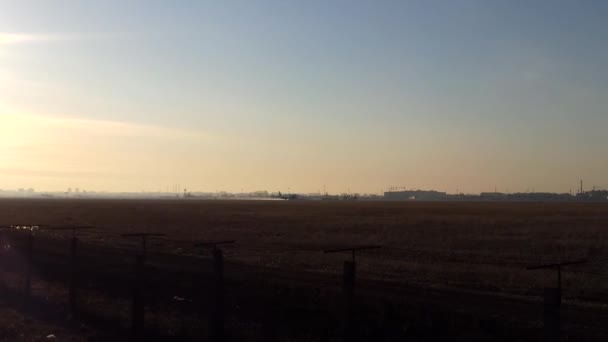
{"points": [[217, 332], [3, 247], [217, 314], [348, 289], [552, 324], [73, 275], [138, 305], [553, 299], [137, 311], [350, 275], [73, 264], [28, 265]]}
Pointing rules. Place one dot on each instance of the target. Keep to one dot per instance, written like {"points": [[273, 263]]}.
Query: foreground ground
{"points": [[474, 244], [474, 248]]}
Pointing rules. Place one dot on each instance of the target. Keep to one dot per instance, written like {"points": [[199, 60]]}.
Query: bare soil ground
{"points": [[17, 327]]}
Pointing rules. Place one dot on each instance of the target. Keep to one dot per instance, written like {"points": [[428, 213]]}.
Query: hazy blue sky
{"points": [[231, 95]]}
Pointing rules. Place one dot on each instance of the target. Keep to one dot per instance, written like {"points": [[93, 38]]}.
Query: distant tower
{"points": [[581, 192]]}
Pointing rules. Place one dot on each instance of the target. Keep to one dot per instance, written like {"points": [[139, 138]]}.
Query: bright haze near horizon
{"points": [[276, 95]]}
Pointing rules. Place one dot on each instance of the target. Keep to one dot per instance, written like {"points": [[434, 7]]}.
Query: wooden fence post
{"points": [[552, 324], [138, 305], [217, 315], [217, 331], [73, 275], [553, 300], [137, 310], [28, 265], [74, 266], [348, 289]]}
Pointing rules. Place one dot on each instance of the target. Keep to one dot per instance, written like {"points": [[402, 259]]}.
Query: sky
{"points": [[461, 95]]}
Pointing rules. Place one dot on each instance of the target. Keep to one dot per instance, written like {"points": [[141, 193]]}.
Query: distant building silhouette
{"points": [[415, 195]]}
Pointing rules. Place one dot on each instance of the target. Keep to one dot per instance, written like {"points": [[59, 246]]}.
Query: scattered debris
{"points": [[181, 299]]}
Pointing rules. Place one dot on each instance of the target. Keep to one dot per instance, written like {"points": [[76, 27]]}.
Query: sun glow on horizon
{"points": [[73, 149], [226, 96]]}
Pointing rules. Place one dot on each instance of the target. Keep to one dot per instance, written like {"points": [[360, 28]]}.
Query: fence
{"points": [[167, 296]]}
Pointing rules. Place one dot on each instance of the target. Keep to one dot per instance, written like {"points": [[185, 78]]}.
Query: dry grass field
{"points": [[469, 256], [478, 245]]}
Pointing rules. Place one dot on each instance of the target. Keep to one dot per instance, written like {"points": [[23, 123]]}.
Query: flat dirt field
{"points": [[474, 245], [466, 257]]}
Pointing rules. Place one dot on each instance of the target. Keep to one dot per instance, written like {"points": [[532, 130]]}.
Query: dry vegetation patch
{"points": [[485, 245]]}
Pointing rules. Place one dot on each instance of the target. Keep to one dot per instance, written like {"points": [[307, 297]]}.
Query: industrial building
{"points": [[415, 195]]}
